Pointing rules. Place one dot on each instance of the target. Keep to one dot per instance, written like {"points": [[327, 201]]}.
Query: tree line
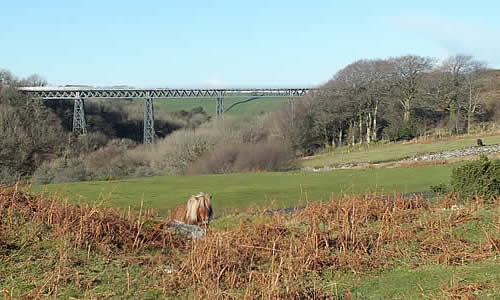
{"points": [[395, 98], [11, 80]]}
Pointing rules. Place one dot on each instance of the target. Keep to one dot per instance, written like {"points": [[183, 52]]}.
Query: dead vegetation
{"points": [[461, 289], [284, 257], [89, 226]]}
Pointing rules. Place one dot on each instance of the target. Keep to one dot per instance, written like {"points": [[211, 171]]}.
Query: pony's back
{"points": [[179, 213]]}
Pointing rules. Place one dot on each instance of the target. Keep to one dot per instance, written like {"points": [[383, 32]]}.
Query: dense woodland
{"points": [[366, 102]]}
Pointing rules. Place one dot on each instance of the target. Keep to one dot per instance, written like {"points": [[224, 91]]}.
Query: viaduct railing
{"points": [[78, 94]]}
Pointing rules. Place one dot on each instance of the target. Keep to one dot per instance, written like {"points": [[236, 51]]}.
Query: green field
{"points": [[392, 151], [274, 189], [423, 282], [240, 191], [252, 107]]}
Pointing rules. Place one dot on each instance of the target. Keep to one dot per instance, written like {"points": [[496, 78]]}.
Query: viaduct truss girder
{"points": [[72, 93], [78, 94]]}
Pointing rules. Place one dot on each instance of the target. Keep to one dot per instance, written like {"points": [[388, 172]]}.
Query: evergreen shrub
{"points": [[479, 178]]}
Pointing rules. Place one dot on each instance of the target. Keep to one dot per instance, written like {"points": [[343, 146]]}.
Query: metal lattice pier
{"points": [[79, 123]]}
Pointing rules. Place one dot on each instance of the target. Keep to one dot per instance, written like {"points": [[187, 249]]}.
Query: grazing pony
{"points": [[197, 211]]}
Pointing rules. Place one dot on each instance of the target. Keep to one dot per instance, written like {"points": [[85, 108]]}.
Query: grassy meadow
{"points": [[253, 107], [277, 189], [241, 191], [479, 280]]}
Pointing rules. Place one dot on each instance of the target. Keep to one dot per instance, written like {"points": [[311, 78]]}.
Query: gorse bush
{"points": [[477, 178]]}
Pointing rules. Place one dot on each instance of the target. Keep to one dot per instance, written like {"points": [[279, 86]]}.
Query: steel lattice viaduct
{"points": [[78, 94]]}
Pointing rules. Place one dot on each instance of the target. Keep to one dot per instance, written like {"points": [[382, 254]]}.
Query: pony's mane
{"points": [[194, 204]]}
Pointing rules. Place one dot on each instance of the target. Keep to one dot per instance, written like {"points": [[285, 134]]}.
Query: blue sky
{"points": [[233, 43]]}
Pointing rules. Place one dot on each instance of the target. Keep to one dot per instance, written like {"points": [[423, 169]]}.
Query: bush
{"points": [[265, 156], [219, 161], [298, 126], [116, 160], [176, 153], [440, 189], [477, 178], [9, 176], [401, 130], [253, 129], [29, 134]]}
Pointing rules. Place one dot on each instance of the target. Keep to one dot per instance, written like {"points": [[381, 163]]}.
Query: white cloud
{"points": [[479, 40]]}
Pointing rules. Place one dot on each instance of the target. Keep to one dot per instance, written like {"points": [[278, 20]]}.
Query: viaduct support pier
{"points": [[79, 123]]}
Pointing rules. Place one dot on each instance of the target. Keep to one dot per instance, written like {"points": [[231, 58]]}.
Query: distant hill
{"points": [[252, 107]]}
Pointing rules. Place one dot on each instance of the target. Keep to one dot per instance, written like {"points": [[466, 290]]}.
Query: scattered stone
{"points": [[191, 231], [456, 153], [168, 269], [476, 150]]}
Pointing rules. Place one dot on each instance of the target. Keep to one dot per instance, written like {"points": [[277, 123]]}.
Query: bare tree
{"points": [[379, 90], [351, 82], [461, 87], [407, 76], [6, 78], [473, 85], [367, 84], [34, 80]]}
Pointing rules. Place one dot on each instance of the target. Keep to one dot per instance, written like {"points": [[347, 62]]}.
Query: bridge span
{"points": [[78, 94]]}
